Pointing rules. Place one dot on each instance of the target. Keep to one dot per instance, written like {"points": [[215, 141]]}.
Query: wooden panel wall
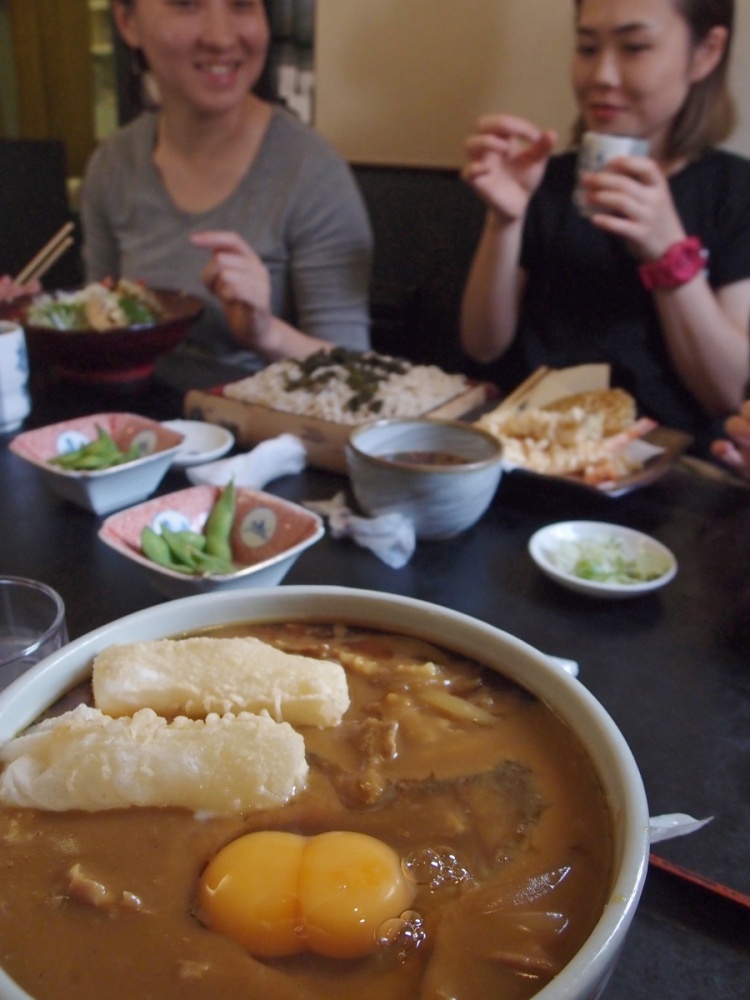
{"points": [[54, 73]]}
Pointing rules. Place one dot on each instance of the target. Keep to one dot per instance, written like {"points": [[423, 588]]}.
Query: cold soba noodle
{"points": [[500, 822]]}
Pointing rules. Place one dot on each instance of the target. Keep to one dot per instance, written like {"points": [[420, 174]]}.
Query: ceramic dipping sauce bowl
{"points": [[442, 475]]}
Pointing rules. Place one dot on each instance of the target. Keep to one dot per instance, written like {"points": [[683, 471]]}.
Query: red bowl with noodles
{"points": [[124, 352]]}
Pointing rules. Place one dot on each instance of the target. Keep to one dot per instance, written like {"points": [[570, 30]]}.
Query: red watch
{"points": [[681, 262]]}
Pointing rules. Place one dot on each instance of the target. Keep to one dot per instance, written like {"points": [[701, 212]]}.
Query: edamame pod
{"points": [[194, 538], [101, 453], [190, 551], [181, 551], [130, 455], [157, 550], [212, 564], [191, 557], [218, 527]]}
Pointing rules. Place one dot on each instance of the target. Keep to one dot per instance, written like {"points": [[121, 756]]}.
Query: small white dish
{"points": [[557, 548], [203, 442]]}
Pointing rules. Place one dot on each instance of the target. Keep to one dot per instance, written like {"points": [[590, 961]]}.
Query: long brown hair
{"points": [[708, 116]]}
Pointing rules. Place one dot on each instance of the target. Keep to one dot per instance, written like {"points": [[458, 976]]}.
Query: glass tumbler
{"points": [[32, 625]]}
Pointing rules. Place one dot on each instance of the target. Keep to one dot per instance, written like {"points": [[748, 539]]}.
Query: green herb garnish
{"points": [[607, 562]]}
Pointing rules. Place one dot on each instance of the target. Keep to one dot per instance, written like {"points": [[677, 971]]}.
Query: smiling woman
{"points": [[653, 276], [221, 194]]}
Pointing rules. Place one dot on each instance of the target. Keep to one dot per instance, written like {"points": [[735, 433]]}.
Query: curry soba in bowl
{"points": [[309, 793]]}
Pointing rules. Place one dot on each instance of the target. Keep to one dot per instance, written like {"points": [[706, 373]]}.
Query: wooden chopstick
{"points": [[50, 252], [53, 257], [515, 398], [725, 891]]}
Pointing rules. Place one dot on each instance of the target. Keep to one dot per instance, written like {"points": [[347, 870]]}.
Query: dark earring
{"points": [[136, 62]]}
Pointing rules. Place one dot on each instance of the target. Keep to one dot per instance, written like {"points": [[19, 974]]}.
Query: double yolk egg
{"points": [[278, 893]]}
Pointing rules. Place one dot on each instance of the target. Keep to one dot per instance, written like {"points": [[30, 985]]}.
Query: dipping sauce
{"points": [[486, 797], [426, 458]]}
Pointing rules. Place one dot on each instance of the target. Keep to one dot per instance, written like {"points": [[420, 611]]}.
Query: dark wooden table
{"points": [[672, 668]]}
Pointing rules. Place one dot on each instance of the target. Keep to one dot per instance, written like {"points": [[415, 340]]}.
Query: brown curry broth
{"points": [[519, 821]]}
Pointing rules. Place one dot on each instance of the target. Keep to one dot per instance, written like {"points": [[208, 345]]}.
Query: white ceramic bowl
{"points": [[203, 442], [103, 490], [441, 499], [585, 974], [556, 548], [268, 536]]}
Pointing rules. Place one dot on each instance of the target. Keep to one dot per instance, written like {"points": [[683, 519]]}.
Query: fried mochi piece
{"points": [[90, 761], [195, 676]]}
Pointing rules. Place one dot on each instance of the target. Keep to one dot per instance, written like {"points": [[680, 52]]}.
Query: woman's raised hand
{"points": [[505, 161], [237, 276]]}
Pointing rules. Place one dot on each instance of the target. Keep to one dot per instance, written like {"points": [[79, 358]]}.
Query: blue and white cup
{"points": [[595, 152], [15, 403]]}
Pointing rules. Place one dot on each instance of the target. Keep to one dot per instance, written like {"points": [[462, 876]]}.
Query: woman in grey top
{"points": [[221, 194]]}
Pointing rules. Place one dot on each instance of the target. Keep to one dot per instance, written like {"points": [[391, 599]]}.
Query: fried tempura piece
{"points": [[565, 429], [86, 760], [102, 309], [134, 288], [199, 675], [583, 435], [616, 406]]}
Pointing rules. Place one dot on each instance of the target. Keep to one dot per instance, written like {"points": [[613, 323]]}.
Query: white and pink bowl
{"points": [[268, 536], [102, 490]]}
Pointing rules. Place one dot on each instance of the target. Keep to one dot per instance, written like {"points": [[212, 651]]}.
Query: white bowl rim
{"points": [[384, 462], [21, 704], [537, 551]]}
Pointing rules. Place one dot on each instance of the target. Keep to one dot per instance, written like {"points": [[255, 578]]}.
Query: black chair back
{"points": [[33, 206]]}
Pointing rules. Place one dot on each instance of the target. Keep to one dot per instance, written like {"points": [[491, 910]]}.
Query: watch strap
{"points": [[678, 265]]}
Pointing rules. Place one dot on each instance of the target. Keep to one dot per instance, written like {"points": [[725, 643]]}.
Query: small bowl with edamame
{"points": [[208, 538], [102, 462], [602, 560]]}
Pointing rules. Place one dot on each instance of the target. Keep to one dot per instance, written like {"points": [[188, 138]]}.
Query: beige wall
{"points": [[401, 81]]}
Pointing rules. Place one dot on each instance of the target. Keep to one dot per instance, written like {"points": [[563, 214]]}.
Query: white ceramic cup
{"points": [[595, 152], [15, 403]]}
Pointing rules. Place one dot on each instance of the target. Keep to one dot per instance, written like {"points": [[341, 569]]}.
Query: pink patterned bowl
{"points": [[267, 537], [101, 490]]}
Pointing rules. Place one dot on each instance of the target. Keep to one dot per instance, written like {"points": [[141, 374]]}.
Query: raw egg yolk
{"points": [[279, 893]]}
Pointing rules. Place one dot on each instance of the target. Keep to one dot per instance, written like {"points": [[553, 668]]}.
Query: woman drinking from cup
{"points": [[219, 193], [648, 266]]}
